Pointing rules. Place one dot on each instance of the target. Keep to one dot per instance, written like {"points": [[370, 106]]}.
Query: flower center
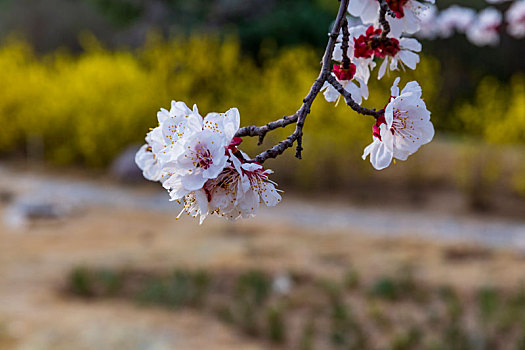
{"points": [[494, 27], [365, 45], [397, 7], [403, 126], [400, 121], [370, 44], [389, 47], [204, 158]]}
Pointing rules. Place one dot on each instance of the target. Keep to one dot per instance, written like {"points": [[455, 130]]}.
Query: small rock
{"points": [[124, 168], [23, 212], [282, 284]]}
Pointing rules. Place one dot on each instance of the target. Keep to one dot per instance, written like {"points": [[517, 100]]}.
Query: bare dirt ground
{"points": [[35, 260]]}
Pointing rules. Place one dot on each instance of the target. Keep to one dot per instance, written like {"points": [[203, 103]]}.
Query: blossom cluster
{"points": [[367, 45], [198, 162], [481, 28], [405, 124]]}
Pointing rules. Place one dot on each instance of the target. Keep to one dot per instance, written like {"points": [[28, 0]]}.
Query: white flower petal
{"points": [[412, 87], [382, 68], [330, 93], [380, 156], [193, 183], [410, 44], [409, 58], [394, 90]]}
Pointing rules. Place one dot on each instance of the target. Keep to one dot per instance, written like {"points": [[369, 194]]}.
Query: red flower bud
{"points": [[397, 7], [344, 74]]}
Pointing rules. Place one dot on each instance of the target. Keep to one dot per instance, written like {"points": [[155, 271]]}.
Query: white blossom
{"points": [[485, 28], [147, 162], [515, 17], [408, 17], [405, 127], [200, 154], [195, 204], [147, 157], [203, 157], [408, 14], [455, 18], [235, 193], [198, 162], [429, 19], [176, 124], [247, 186], [363, 65], [355, 79], [406, 56], [367, 10]]}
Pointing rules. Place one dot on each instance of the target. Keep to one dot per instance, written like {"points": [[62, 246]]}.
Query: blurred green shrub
{"points": [[497, 115], [80, 282], [351, 279], [497, 112], [276, 325], [179, 289], [488, 302], [331, 316], [308, 335]]}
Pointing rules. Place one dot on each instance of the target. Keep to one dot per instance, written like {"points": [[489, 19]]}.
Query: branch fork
{"points": [[325, 75]]}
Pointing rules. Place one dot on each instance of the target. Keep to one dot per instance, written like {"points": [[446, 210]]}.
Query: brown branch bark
{"points": [[350, 101], [261, 131], [325, 75], [345, 44], [384, 10]]}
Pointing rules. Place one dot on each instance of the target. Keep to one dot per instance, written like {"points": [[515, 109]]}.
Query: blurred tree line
{"points": [[49, 24], [262, 26]]}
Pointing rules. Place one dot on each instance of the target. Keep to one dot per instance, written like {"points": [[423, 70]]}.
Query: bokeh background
{"points": [[428, 254]]}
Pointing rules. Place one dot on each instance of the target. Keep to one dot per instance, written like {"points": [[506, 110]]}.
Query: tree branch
{"points": [[261, 131], [350, 101], [314, 91], [385, 9], [344, 45], [325, 75]]}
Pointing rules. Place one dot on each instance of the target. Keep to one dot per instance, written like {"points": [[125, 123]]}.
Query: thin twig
{"points": [[384, 10], [301, 114], [345, 45], [384, 5], [325, 75], [350, 101], [261, 131]]}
